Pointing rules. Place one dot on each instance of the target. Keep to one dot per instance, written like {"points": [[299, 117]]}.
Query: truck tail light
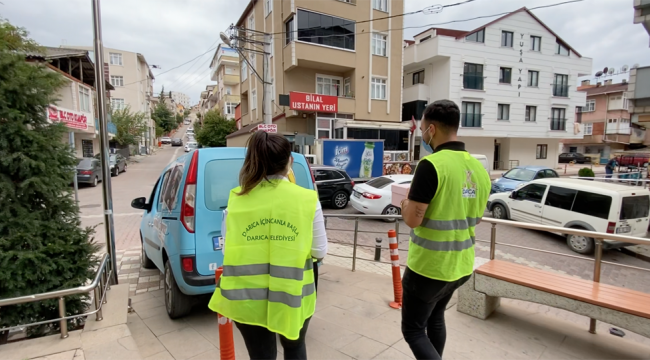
{"points": [[371, 196], [611, 227], [188, 205]]}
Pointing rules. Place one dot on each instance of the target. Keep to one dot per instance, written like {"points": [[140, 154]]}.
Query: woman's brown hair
{"points": [[267, 155]]}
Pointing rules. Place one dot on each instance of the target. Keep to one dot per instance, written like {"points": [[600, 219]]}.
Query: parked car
{"points": [[334, 186], [89, 171], [177, 142], [180, 229], [374, 196], [166, 140], [578, 204], [520, 175], [633, 160], [117, 163], [191, 145], [574, 157]]}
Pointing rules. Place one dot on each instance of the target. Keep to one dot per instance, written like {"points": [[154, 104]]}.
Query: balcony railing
{"points": [[473, 81], [558, 124], [470, 120], [560, 90]]}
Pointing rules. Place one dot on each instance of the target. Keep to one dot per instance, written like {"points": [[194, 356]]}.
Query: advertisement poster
{"points": [[396, 162], [360, 159]]}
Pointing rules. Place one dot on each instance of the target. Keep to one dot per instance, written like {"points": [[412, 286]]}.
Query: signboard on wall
{"points": [[72, 119], [313, 102], [269, 128], [359, 158]]}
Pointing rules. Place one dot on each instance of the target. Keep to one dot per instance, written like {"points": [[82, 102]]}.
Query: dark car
{"points": [[574, 157], [334, 186], [177, 142], [117, 163], [89, 171]]}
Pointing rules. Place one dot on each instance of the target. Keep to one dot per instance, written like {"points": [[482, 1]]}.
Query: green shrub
{"points": [[586, 172]]}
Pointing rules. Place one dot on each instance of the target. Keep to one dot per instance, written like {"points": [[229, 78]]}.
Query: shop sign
{"points": [[313, 102], [72, 119], [269, 128]]}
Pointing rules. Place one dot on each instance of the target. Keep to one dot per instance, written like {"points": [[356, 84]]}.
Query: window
{"points": [[117, 104], [505, 75], [289, 31], [326, 85], [542, 151], [324, 175], [591, 204], [425, 39], [379, 44], [536, 43], [473, 76], [503, 112], [347, 87], [561, 85], [589, 128], [325, 30], [324, 128], [230, 108], [251, 22], [381, 5], [560, 198], [478, 36], [506, 38], [244, 70], [268, 7], [253, 62], [117, 80], [470, 114], [116, 58], [533, 78], [253, 99], [532, 192], [548, 173], [635, 207], [220, 177], [418, 77], [531, 113], [84, 99], [378, 90], [228, 90], [561, 50], [590, 106], [558, 119]]}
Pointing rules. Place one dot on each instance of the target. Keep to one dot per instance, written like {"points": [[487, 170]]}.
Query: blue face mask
{"points": [[426, 146]]}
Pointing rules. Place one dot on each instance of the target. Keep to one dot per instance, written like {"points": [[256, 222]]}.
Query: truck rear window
{"points": [[635, 207], [380, 182]]}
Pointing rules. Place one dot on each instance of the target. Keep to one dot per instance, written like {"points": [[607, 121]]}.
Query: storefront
{"points": [[82, 132]]}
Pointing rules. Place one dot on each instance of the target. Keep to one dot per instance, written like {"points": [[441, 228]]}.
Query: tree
{"points": [[214, 130], [130, 126], [163, 117], [42, 244]]}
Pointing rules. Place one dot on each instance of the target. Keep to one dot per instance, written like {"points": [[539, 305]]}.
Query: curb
{"points": [[635, 254]]}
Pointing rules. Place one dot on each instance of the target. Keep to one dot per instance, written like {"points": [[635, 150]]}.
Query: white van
{"points": [[483, 160], [579, 204]]}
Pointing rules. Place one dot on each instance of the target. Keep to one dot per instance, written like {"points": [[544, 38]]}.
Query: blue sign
{"points": [[360, 159]]}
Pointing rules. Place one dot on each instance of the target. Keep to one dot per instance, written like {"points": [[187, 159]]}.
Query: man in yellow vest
{"points": [[446, 201]]}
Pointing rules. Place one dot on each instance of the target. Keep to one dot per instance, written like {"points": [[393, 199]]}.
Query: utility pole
{"points": [[266, 109], [100, 87]]}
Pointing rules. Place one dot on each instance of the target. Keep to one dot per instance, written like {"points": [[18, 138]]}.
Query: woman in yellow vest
{"points": [[273, 230]]}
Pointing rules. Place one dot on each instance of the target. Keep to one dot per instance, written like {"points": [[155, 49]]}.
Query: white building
{"points": [[180, 98], [514, 79]]}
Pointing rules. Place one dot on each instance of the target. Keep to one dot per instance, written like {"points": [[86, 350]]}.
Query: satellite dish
{"points": [[605, 70], [599, 74], [635, 66], [611, 71], [624, 68]]}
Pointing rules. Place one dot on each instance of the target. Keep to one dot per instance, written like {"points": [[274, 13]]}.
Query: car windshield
{"points": [[113, 159], [520, 174], [380, 182], [85, 163], [635, 207]]}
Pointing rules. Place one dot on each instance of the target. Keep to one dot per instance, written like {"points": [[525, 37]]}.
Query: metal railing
{"points": [[615, 178], [99, 285], [597, 236]]}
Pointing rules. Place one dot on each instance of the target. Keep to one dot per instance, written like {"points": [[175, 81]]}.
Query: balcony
{"points": [[560, 90], [470, 120], [231, 79], [416, 92], [319, 57], [558, 124], [473, 81]]}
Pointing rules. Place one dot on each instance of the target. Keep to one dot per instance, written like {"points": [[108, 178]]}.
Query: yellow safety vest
{"points": [[442, 247], [268, 277]]}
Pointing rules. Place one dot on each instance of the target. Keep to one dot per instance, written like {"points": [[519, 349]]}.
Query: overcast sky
{"points": [[171, 32]]}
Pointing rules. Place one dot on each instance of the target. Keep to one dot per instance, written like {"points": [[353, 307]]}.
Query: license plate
{"points": [[217, 242], [623, 229]]}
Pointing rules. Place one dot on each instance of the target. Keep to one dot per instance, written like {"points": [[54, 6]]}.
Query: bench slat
{"points": [[604, 295]]}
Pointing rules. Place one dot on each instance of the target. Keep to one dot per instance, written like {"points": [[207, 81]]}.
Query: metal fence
{"points": [[99, 285]]}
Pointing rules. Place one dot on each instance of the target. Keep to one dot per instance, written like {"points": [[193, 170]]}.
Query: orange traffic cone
{"points": [[226, 339], [397, 275]]}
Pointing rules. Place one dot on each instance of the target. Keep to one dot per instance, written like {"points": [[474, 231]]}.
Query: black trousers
{"points": [[261, 343], [424, 302]]}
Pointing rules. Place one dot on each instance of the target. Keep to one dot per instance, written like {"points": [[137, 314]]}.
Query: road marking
{"points": [[174, 157], [114, 215]]}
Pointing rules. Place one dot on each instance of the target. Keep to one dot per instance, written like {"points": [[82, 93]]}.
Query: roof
{"points": [[445, 32], [606, 89], [62, 58], [582, 184]]}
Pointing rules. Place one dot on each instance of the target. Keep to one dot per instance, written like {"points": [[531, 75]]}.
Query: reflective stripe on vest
{"points": [[281, 297], [443, 245], [284, 272]]}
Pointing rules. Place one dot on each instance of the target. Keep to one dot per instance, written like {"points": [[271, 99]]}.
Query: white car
{"points": [[374, 196], [191, 145], [166, 140], [579, 204]]}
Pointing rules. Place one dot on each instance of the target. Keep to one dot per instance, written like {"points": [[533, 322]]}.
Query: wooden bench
{"points": [[622, 307]]}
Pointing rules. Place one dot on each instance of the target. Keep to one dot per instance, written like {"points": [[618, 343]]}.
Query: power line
{"points": [[188, 69]]}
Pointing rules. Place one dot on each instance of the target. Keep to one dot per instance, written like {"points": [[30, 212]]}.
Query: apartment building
{"points": [[606, 122], [512, 78], [331, 77], [207, 100], [76, 106], [224, 69], [130, 75], [180, 98], [642, 13]]}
